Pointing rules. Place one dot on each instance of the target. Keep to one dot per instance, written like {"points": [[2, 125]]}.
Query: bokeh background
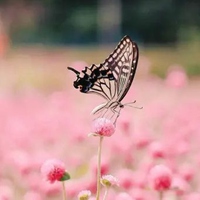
{"points": [[42, 116]]}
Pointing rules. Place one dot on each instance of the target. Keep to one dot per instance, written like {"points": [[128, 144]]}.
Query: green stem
{"points": [[99, 169], [105, 194], [64, 192]]}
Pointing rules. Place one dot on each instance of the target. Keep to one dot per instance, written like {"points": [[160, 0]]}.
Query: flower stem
{"points": [[99, 169], [64, 192], [160, 195], [105, 194]]}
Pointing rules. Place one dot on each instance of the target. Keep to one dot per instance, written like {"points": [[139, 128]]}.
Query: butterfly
{"points": [[111, 79]]}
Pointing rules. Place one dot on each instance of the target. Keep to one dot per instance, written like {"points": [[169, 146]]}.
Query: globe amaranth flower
{"points": [[84, 195], [157, 150], [103, 127], [160, 178], [54, 170], [109, 180]]}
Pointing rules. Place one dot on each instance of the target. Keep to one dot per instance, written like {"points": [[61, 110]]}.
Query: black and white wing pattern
{"points": [[122, 63], [112, 78]]}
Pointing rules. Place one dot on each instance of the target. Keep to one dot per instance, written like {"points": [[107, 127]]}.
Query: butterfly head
{"points": [[81, 83]]}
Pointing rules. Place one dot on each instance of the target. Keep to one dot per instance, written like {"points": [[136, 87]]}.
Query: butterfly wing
{"points": [[121, 64], [104, 85]]}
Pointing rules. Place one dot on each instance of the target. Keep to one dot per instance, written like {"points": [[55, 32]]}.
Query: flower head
{"points": [[176, 77], [84, 195], [103, 127], [157, 150], [160, 177], [187, 172], [126, 178], [53, 170], [180, 186], [109, 180]]}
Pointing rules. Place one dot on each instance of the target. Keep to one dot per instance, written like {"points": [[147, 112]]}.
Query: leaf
{"points": [[65, 177]]}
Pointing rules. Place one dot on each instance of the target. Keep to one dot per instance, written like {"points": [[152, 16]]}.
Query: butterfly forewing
{"points": [[122, 63], [128, 69]]}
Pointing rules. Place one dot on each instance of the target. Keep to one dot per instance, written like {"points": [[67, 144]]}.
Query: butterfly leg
{"points": [[111, 112], [102, 112], [115, 109], [118, 114]]}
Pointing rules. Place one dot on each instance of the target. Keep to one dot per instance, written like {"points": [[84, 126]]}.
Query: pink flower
{"points": [[141, 140], [180, 185], [84, 195], [22, 162], [109, 180], [140, 179], [160, 177], [126, 179], [126, 125], [176, 77], [103, 127], [187, 172], [157, 150], [53, 170]]}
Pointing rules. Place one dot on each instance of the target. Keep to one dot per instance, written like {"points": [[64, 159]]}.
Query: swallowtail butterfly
{"points": [[110, 79]]}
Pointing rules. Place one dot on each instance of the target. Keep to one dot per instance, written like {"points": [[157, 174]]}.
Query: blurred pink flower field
{"points": [[36, 126]]}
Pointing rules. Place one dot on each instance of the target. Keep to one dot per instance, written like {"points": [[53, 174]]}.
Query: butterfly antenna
{"points": [[75, 71], [129, 104], [135, 106]]}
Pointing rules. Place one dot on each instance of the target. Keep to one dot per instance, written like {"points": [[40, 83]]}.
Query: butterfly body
{"points": [[112, 78]]}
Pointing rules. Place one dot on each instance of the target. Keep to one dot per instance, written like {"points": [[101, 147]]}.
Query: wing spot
{"points": [[117, 69], [110, 59], [120, 63], [123, 59], [125, 71], [115, 74], [81, 75], [114, 55], [118, 50], [126, 55]]}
